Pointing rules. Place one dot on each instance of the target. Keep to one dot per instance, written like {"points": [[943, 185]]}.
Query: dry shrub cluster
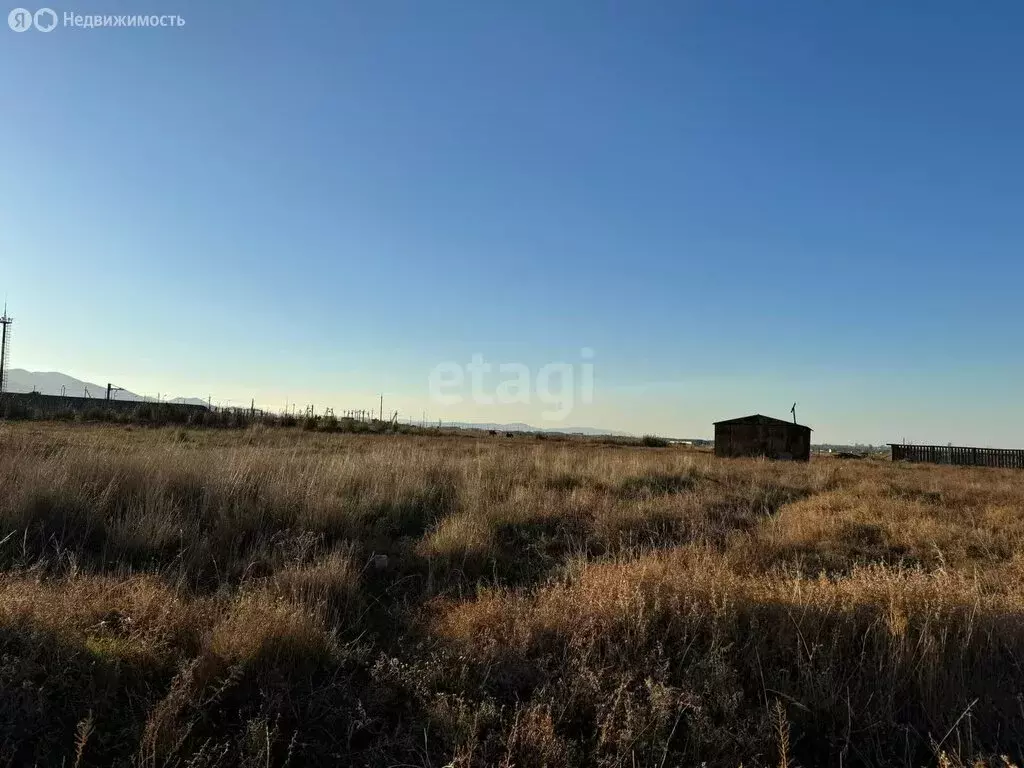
{"points": [[278, 597]]}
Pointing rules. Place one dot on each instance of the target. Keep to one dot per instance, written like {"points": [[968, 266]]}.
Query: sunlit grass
{"points": [[269, 596]]}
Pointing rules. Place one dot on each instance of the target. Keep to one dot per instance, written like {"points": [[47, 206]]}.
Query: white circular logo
{"points": [[20, 20], [45, 19]]}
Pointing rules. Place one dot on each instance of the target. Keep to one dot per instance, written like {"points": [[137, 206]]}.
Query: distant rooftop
{"points": [[757, 418]]}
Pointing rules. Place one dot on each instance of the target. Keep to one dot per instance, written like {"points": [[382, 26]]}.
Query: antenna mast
{"points": [[5, 348]]}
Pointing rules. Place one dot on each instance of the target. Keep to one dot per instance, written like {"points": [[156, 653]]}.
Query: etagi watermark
{"points": [[47, 20], [555, 384]]}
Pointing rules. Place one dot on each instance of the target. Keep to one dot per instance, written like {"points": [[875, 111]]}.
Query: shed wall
{"points": [[769, 440]]}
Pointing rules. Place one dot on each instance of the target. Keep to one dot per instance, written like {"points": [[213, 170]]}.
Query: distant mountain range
{"points": [[55, 383], [520, 427]]}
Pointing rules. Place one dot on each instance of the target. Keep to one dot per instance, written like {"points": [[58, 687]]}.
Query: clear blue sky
{"points": [[736, 205]]}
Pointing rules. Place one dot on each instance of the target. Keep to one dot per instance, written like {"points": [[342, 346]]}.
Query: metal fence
{"points": [[959, 455]]}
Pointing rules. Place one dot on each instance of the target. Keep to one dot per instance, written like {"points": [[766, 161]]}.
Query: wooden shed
{"points": [[759, 435]]}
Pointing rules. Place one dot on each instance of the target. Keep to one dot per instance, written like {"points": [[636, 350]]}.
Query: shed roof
{"points": [[757, 418]]}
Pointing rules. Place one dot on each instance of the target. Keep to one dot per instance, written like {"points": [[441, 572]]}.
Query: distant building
{"points": [[759, 435]]}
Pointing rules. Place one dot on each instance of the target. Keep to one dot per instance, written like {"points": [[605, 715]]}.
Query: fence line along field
{"points": [[274, 596]]}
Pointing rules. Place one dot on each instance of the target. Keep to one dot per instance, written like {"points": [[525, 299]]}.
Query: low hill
{"points": [[56, 383]]}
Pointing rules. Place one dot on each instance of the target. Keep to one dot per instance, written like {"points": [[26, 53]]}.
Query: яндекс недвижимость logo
{"points": [[22, 19], [46, 20]]}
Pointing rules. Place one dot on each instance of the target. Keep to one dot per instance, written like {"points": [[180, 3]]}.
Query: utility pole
{"points": [[5, 321], [381, 416]]}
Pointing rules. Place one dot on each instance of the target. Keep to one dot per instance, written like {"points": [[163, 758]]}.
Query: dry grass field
{"points": [[270, 597]]}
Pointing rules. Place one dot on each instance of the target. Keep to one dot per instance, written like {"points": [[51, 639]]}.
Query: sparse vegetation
{"points": [[653, 441], [196, 597]]}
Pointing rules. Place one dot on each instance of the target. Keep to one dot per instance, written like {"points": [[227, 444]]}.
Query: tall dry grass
{"points": [[276, 597]]}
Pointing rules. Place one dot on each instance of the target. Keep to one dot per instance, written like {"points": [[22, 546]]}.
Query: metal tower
{"points": [[5, 349]]}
